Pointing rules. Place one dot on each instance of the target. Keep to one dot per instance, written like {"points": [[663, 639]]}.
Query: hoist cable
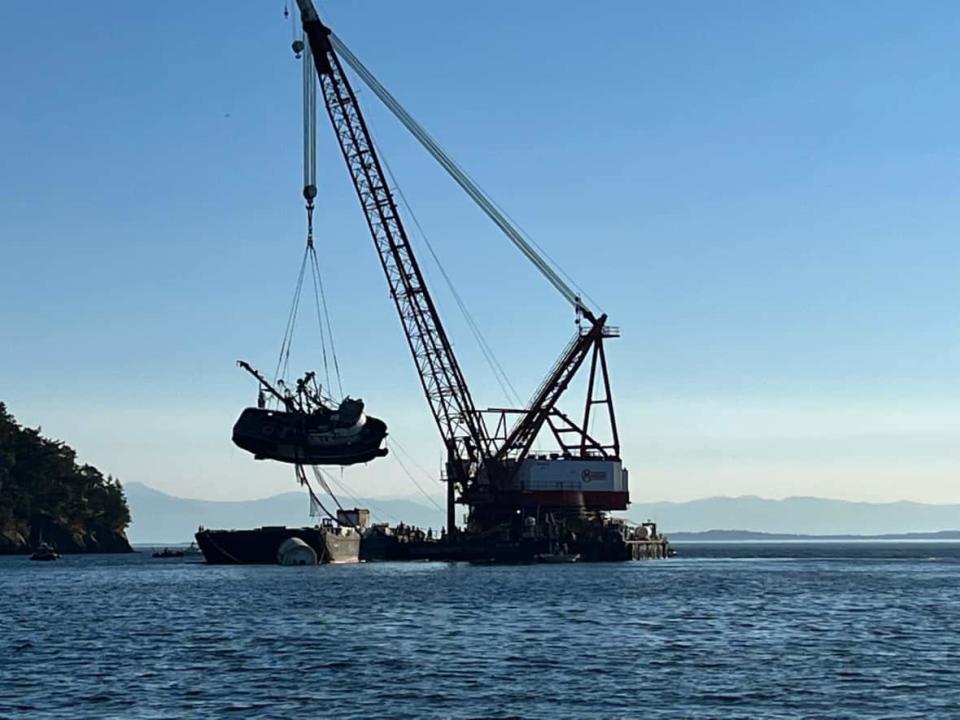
{"points": [[542, 251], [309, 193], [412, 479], [377, 510], [303, 480], [318, 288], [457, 173], [319, 475], [284, 359], [396, 444], [314, 272], [295, 31], [496, 368], [309, 122]]}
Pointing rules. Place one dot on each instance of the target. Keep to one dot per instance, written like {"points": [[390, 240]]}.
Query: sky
{"points": [[764, 196]]}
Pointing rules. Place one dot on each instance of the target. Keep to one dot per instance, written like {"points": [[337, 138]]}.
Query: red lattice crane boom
{"points": [[471, 451]]}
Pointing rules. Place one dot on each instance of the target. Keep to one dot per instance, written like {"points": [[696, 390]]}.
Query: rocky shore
{"points": [[22, 538]]}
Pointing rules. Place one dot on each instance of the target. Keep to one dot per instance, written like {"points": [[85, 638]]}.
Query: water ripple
{"points": [[841, 632]]}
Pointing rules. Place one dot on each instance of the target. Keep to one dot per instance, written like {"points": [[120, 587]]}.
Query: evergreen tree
{"points": [[41, 483]]}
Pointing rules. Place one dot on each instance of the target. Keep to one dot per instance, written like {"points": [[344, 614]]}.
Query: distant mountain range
{"points": [[162, 518], [746, 535], [797, 516]]}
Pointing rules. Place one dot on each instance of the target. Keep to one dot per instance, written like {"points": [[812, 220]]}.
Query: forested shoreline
{"points": [[47, 496]]}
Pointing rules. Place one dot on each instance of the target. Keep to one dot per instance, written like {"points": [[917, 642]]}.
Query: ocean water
{"points": [[722, 631]]}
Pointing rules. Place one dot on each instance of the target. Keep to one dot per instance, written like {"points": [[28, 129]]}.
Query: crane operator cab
{"points": [[309, 429]]}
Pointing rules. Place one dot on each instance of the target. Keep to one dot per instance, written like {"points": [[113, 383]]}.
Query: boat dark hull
{"points": [[291, 438], [259, 546]]}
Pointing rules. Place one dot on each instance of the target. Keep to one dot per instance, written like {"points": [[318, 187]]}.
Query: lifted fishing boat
{"points": [[309, 430]]}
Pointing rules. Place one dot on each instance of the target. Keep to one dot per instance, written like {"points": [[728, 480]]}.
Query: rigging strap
{"points": [[318, 474], [283, 362], [315, 499]]}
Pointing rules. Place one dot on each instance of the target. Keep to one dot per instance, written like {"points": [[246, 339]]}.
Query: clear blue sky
{"points": [[764, 195]]}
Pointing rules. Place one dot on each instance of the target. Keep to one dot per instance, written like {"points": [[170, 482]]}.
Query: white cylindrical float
{"points": [[294, 551], [644, 532]]}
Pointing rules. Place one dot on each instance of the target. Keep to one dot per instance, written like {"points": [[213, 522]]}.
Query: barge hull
{"points": [[477, 551], [259, 546]]}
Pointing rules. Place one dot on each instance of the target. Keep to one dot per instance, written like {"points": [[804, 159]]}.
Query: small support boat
{"points": [[168, 553], [559, 557], [45, 553]]}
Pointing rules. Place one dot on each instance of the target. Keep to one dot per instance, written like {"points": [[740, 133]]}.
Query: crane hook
{"points": [[310, 224]]}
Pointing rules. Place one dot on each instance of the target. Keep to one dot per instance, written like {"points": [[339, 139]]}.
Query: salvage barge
{"points": [[262, 546], [603, 540]]}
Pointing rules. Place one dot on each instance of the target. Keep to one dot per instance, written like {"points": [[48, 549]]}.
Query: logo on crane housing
{"points": [[593, 475]]}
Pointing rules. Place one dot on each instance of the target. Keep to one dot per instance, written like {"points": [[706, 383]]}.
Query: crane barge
{"points": [[511, 494]]}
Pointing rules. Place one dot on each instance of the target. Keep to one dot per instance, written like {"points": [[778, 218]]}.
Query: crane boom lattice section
{"points": [[443, 383], [543, 404]]}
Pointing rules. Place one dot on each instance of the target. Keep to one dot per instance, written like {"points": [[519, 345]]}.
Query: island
{"points": [[753, 536], [47, 497]]}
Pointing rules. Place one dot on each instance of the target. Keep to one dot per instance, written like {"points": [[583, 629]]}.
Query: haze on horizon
{"points": [[764, 197]]}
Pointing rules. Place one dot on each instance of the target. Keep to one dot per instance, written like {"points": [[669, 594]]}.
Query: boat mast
{"points": [[266, 385]]}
